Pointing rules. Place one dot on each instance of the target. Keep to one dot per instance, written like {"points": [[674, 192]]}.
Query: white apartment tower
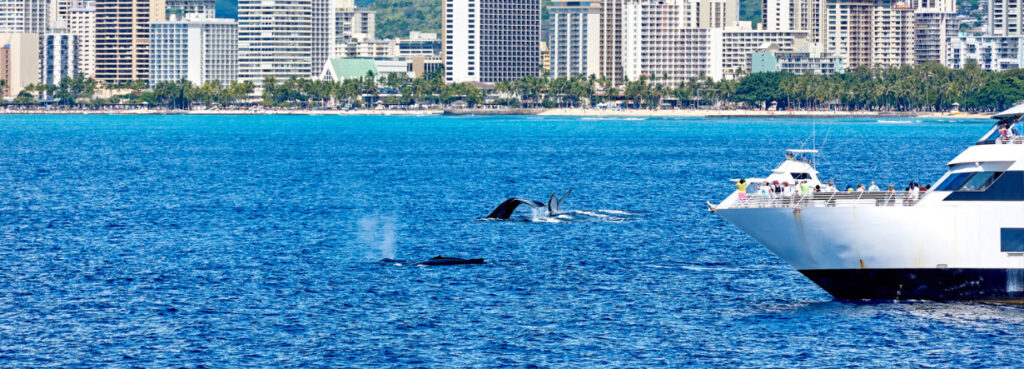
{"points": [[796, 15], [82, 23], [1006, 17], [194, 48], [491, 40], [575, 39], [661, 40], [58, 58], [24, 16], [283, 38]]}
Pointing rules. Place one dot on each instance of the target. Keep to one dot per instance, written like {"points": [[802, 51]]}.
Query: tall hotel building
{"points": [[491, 40], [575, 40], [194, 47], [283, 38], [82, 23], [122, 38]]}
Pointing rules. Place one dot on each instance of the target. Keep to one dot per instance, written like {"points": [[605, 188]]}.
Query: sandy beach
{"points": [[754, 113]]}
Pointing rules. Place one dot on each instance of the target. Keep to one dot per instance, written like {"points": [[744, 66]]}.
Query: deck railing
{"points": [[831, 199]]}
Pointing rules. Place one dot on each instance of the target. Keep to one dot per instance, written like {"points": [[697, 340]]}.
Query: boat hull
{"points": [[920, 284], [920, 252]]}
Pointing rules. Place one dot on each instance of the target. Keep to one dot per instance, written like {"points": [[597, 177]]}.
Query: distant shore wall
{"points": [[509, 111]]}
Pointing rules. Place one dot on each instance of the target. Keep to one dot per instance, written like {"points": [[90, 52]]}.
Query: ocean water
{"points": [[253, 241]]}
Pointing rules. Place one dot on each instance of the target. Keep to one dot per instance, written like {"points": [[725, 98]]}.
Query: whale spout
{"points": [[441, 260]]}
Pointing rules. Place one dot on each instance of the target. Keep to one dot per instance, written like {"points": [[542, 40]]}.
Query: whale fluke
{"points": [[505, 209], [555, 204], [441, 260]]}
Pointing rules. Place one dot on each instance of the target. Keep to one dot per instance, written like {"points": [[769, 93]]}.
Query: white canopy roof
{"points": [[802, 151], [1013, 112]]}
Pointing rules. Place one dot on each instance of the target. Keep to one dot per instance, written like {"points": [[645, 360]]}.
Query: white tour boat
{"points": [[963, 239]]}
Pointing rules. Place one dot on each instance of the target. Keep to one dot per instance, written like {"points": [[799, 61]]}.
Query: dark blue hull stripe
{"points": [[920, 284]]}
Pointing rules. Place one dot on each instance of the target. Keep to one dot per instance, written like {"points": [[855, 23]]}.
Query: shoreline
{"points": [[736, 113], [566, 112]]}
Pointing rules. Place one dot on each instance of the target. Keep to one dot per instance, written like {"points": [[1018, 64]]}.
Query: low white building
{"points": [[340, 69], [197, 49], [994, 53]]}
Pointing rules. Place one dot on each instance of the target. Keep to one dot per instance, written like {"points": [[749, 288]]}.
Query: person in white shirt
{"points": [[873, 187]]}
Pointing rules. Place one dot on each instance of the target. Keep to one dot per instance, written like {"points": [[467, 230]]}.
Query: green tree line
{"points": [[925, 87]]}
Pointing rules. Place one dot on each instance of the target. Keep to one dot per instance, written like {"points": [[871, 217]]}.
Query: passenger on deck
{"points": [[741, 187], [891, 189], [849, 188], [805, 188], [860, 187], [873, 187], [765, 190], [777, 189], [831, 187], [817, 188], [787, 190]]}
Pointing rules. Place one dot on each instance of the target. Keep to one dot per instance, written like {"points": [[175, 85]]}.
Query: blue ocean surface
{"points": [[253, 241]]}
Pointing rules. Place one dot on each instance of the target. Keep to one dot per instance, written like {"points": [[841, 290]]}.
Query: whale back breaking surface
{"points": [[506, 208]]}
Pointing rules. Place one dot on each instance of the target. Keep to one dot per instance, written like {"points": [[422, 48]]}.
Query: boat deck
{"points": [[831, 199]]}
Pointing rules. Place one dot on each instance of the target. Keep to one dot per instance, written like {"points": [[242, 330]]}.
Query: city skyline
{"points": [[489, 41]]}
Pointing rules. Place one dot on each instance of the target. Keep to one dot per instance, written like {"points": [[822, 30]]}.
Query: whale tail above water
{"points": [[505, 209], [555, 204]]}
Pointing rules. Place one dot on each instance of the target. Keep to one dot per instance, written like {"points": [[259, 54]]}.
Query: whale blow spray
{"points": [[379, 234]]}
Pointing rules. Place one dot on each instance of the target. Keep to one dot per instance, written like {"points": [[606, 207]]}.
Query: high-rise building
{"points": [[193, 8], [24, 16], [1006, 17], [122, 38], [491, 40], [797, 15], [933, 32], [283, 38], [58, 57], [350, 22], [611, 40], [892, 36], [19, 61], [198, 49], [879, 33], [718, 13], [574, 44], [82, 24], [59, 12]]}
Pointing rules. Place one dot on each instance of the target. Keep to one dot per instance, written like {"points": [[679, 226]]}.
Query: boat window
{"points": [[980, 181], [801, 175], [953, 182], [1011, 239]]}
